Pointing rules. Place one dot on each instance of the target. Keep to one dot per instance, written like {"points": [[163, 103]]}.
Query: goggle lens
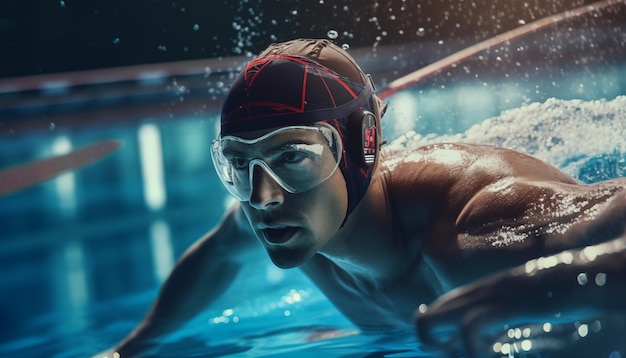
{"points": [[298, 158]]}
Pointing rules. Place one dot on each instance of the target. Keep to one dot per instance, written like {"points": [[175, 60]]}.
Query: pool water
{"points": [[269, 312], [82, 255]]}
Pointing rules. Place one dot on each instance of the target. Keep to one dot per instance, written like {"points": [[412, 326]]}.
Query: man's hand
{"points": [[573, 302]]}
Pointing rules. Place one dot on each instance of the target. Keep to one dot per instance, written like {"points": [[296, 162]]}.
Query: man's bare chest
{"points": [[368, 302]]}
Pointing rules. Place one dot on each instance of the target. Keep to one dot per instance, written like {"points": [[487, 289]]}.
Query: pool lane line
{"points": [[25, 175], [462, 55]]}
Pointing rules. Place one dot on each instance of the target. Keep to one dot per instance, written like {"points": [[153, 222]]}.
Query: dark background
{"points": [[48, 36]]}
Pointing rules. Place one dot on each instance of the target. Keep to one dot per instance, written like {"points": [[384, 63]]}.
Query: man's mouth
{"points": [[279, 235]]}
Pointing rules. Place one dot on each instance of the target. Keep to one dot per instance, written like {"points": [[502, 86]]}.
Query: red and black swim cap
{"points": [[282, 90], [301, 82]]}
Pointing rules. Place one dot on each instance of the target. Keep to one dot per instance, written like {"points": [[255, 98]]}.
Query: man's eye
{"points": [[297, 153], [293, 156], [239, 163]]}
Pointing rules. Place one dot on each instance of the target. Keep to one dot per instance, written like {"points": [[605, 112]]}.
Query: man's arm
{"points": [[542, 304], [200, 276], [568, 304]]}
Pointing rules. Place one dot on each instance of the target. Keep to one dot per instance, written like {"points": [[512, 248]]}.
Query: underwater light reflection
{"points": [[151, 154], [65, 184]]}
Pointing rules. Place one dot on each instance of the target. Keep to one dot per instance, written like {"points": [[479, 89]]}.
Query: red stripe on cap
{"points": [[303, 100]]}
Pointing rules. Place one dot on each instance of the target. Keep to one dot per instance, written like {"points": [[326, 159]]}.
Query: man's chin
{"points": [[287, 258]]}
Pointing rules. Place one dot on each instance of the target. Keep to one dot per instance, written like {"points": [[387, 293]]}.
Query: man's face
{"points": [[294, 226]]}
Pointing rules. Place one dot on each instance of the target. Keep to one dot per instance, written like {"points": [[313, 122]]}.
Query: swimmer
{"points": [[384, 236]]}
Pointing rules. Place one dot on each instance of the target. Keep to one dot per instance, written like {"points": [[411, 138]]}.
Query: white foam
{"points": [[566, 133]]}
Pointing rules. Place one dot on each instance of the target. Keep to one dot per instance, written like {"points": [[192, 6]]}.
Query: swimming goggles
{"points": [[298, 158]]}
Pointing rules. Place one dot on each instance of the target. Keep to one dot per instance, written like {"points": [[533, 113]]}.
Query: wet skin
{"points": [[432, 220]]}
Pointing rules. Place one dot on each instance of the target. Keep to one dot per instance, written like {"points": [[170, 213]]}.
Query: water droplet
{"points": [[547, 327], [332, 34]]}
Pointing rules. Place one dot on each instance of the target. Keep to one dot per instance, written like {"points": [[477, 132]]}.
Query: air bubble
{"points": [[345, 46], [332, 34], [196, 27]]}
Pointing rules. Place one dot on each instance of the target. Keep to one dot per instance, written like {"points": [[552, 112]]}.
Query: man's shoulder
{"points": [[444, 154], [473, 165], [439, 180], [446, 164]]}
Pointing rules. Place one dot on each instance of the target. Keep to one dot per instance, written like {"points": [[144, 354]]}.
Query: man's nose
{"points": [[266, 193]]}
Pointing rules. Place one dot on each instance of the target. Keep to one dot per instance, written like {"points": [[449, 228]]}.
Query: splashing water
{"points": [[586, 139]]}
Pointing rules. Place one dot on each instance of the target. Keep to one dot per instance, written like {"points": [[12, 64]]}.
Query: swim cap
{"points": [[301, 82]]}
